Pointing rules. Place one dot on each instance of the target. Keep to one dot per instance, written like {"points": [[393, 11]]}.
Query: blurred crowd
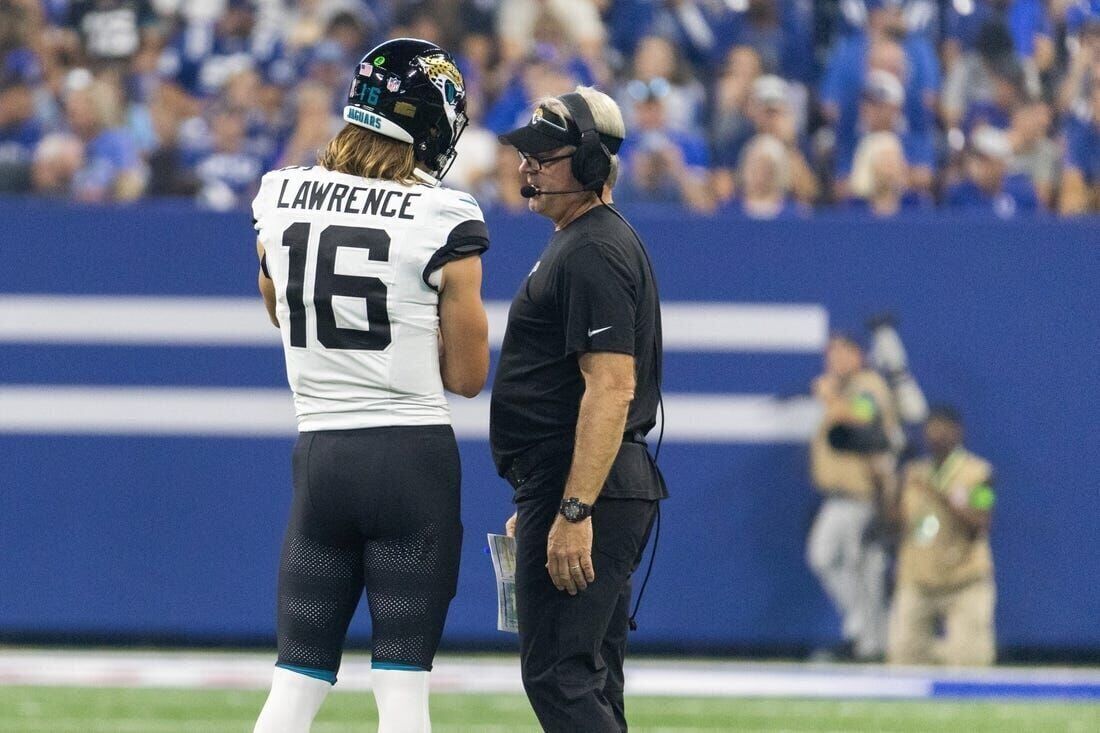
{"points": [[764, 108]]}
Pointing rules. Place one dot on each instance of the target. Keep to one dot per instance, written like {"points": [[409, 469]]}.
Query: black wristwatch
{"points": [[575, 510]]}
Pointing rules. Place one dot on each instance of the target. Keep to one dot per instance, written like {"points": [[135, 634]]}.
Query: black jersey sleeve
{"points": [[598, 298], [467, 239]]}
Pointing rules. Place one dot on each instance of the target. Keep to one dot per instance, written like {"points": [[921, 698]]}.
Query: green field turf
{"points": [[83, 710]]}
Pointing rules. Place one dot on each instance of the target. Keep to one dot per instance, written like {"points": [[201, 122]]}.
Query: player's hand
{"points": [[569, 555], [510, 526]]}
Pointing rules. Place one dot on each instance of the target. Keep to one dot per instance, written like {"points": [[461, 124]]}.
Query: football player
{"points": [[372, 272]]}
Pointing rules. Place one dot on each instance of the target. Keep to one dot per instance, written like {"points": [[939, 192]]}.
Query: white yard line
{"points": [[676, 678]]}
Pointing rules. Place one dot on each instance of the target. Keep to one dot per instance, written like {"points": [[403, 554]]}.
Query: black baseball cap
{"points": [[548, 130]]}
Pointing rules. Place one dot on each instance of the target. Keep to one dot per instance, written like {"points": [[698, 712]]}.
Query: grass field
{"points": [[86, 710]]}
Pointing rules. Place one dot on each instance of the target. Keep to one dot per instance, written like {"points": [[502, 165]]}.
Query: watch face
{"points": [[572, 510]]}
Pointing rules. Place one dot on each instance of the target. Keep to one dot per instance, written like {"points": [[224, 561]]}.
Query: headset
{"points": [[591, 163]]}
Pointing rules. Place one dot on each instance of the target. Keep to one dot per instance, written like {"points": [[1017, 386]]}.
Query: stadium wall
{"points": [[145, 428]]}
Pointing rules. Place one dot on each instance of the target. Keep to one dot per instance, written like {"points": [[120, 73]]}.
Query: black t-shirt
{"points": [[591, 290]]}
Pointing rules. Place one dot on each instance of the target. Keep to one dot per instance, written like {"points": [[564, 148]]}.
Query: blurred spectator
{"points": [[921, 16], [345, 22], [204, 54], [886, 46], [518, 23], [1083, 70], [508, 181], [705, 30], [769, 111], [20, 129], [765, 181], [545, 74], [1034, 155], [57, 159], [945, 564], [987, 72], [781, 32], [879, 183], [882, 101], [314, 125], [1080, 191], [1026, 21], [657, 69], [112, 170], [265, 123], [852, 467], [1007, 92], [169, 174], [1079, 15], [627, 21], [987, 185], [662, 164], [731, 124], [107, 34], [353, 29], [229, 174]]}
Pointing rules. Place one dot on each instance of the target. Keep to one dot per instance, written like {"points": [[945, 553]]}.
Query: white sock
{"points": [[402, 697], [294, 699]]}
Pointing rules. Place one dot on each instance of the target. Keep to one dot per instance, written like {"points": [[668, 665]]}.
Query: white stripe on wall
{"points": [[94, 319], [67, 410], [195, 321]]}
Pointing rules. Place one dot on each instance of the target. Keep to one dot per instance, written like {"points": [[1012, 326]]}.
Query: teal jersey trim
{"points": [[317, 674], [397, 666]]}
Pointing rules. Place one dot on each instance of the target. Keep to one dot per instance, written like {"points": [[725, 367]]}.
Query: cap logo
{"points": [[393, 83], [537, 116]]}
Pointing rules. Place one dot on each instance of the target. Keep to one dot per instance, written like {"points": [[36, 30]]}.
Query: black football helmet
{"points": [[411, 90]]}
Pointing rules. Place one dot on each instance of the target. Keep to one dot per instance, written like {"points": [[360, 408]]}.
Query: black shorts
{"points": [[379, 509]]}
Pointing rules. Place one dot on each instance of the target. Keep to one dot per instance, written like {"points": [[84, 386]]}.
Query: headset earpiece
{"points": [[591, 163]]}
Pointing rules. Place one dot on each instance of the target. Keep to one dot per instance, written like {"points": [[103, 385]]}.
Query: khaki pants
{"points": [[966, 615]]}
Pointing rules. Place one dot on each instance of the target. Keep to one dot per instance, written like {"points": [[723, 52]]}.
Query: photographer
{"points": [[945, 565], [852, 466]]}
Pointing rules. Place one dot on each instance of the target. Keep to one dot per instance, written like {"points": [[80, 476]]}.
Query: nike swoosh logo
{"points": [[593, 331]]}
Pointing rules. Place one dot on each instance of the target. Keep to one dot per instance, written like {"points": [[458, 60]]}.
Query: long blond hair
{"points": [[360, 152]]}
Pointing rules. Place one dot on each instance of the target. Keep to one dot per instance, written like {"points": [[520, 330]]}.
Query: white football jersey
{"points": [[355, 262]]}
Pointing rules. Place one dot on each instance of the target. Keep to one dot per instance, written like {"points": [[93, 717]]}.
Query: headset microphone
{"points": [[530, 192]]}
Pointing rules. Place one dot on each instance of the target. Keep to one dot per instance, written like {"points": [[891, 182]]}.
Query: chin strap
{"points": [[426, 177]]}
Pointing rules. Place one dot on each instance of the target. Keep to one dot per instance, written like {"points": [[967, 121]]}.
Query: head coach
{"points": [[576, 391]]}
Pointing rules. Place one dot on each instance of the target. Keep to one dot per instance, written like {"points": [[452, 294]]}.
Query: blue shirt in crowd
{"points": [[18, 141], [106, 156], [1083, 147], [1017, 196], [843, 83], [1080, 13], [911, 202], [201, 60], [1025, 19]]}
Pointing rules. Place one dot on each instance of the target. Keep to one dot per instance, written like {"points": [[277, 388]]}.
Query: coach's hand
{"points": [[569, 555], [510, 526]]}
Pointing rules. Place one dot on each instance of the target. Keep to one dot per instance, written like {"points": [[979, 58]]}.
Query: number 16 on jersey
{"points": [[348, 293]]}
